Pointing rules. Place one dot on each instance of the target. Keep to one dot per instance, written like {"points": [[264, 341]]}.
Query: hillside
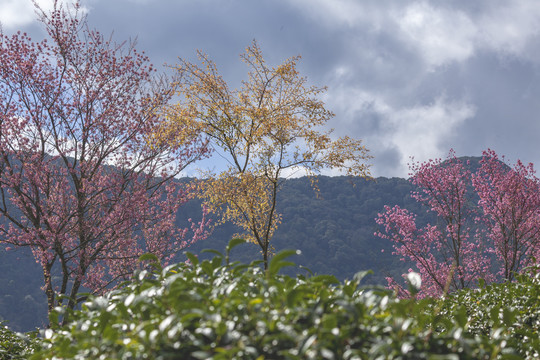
{"points": [[334, 231]]}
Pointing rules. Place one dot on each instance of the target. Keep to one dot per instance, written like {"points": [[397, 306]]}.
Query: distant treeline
{"points": [[333, 228]]}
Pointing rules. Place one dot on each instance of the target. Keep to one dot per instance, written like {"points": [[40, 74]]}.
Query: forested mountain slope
{"points": [[333, 228]]}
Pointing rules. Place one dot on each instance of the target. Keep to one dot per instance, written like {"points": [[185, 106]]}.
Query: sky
{"points": [[409, 78]]}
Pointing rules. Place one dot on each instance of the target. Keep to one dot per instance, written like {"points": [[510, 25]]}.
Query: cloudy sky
{"points": [[410, 78]]}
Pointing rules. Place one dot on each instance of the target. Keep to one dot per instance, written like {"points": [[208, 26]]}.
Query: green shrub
{"points": [[510, 309], [215, 310], [15, 345]]}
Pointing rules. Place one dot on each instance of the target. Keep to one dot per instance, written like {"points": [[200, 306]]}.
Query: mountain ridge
{"points": [[333, 229]]}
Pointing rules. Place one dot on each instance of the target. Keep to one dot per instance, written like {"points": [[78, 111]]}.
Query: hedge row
{"points": [[217, 310], [509, 309]]}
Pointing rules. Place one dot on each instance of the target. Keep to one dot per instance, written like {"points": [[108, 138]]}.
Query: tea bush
{"points": [[14, 345], [510, 309], [219, 310]]}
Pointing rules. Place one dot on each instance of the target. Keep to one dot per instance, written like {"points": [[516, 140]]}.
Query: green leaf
{"points": [[481, 283], [509, 316], [294, 296], [207, 267], [414, 280], [53, 317], [510, 356], [461, 316], [329, 321], [203, 355], [325, 279], [148, 257], [216, 262], [212, 251], [277, 262], [192, 258], [444, 357], [306, 269], [307, 344], [232, 244], [359, 276]]}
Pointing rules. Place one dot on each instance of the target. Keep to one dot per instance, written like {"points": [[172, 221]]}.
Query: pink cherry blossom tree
{"points": [[447, 253], [80, 184], [510, 200], [495, 211]]}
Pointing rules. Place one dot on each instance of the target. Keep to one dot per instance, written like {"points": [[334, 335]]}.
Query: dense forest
{"points": [[333, 228]]}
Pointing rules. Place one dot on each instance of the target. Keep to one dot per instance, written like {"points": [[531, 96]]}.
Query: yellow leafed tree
{"points": [[271, 126]]}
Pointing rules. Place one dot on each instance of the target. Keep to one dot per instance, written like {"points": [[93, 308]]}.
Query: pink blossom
{"points": [[70, 108], [455, 252]]}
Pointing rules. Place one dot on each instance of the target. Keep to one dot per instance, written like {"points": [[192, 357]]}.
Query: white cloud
{"points": [[511, 27], [442, 35], [17, 13], [421, 131], [398, 55], [439, 35]]}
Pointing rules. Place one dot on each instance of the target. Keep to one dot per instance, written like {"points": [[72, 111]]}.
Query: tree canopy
{"points": [[273, 125], [486, 223], [79, 184]]}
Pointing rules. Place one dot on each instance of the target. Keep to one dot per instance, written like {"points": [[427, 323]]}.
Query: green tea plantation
{"points": [[214, 309]]}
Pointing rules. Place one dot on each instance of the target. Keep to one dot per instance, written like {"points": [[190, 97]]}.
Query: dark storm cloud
{"points": [[222, 29], [412, 78], [507, 118]]}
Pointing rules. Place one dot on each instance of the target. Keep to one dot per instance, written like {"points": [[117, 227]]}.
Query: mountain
{"points": [[333, 229]]}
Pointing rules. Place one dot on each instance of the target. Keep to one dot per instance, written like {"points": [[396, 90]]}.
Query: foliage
{"points": [[510, 200], [15, 345], [511, 309], [493, 211], [333, 228], [70, 109], [214, 309], [272, 126]]}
